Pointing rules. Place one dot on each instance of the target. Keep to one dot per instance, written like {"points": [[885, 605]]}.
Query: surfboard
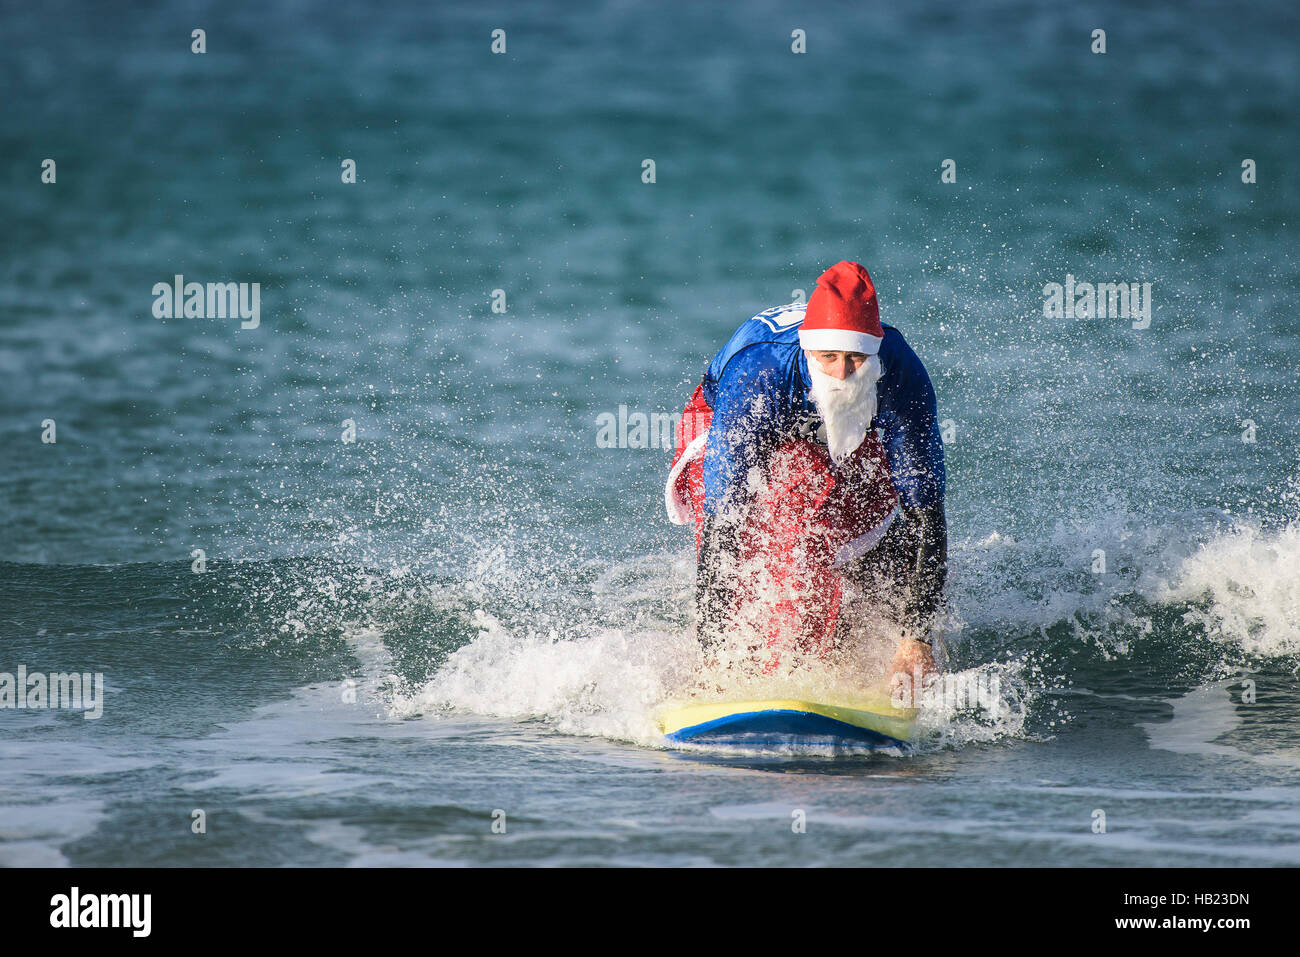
{"points": [[870, 722]]}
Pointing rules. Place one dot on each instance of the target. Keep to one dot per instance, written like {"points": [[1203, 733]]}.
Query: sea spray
{"points": [[1243, 587]]}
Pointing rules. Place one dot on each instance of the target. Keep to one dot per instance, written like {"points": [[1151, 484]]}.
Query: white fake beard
{"points": [[846, 407]]}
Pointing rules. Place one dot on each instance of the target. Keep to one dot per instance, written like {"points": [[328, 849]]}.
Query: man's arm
{"points": [[907, 414], [927, 529], [714, 581], [928, 571]]}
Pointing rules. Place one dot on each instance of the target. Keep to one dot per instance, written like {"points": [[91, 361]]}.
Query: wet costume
{"points": [[778, 519]]}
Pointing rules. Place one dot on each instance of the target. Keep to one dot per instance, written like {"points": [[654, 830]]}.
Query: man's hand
{"points": [[912, 658]]}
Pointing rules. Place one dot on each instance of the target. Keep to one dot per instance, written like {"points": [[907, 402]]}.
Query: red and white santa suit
{"points": [[794, 494]]}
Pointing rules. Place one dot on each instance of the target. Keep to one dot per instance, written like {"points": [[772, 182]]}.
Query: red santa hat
{"points": [[842, 314]]}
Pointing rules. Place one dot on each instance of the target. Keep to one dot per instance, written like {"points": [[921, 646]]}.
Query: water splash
{"points": [[1243, 587]]}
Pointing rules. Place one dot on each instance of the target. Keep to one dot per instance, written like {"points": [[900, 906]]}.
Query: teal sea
{"points": [[357, 652]]}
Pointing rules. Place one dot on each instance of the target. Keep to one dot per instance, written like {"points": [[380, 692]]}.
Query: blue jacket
{"points": [[758, 384]]}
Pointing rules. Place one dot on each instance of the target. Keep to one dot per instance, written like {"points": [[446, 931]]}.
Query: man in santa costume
{"points": [[795, 497]]}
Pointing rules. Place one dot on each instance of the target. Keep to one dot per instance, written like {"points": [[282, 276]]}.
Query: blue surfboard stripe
{"points": [[785, 723]]}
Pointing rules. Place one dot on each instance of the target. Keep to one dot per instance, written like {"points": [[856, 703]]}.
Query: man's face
{"points": [[838, 365], [843, 388]]}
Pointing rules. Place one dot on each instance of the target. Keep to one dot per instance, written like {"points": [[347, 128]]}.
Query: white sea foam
{"points": [[944, 720], [1244, 585], [607, 684], [614, 683]]}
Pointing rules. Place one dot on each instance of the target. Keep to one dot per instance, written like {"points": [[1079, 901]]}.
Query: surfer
{"points": [[795, 497]]}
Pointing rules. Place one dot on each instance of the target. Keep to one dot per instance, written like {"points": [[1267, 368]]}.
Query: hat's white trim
{"points": [[839, 340]]}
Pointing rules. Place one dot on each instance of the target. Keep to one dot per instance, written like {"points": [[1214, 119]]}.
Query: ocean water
{"points": [[471, 613]]}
